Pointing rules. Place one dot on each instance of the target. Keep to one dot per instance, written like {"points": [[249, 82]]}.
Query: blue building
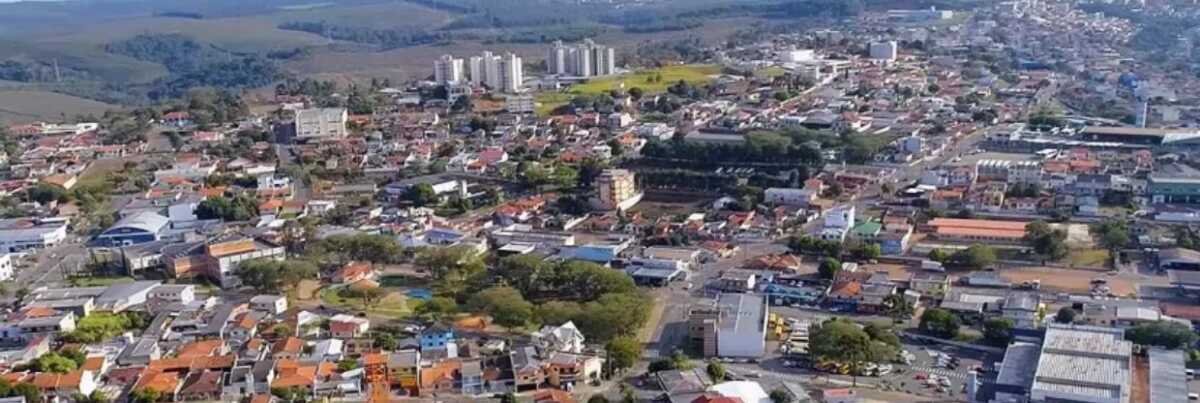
{"points": [[135, 229], [436, 337]]}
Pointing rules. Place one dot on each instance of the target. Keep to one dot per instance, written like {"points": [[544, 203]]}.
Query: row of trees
{"points": [[974, 257]]}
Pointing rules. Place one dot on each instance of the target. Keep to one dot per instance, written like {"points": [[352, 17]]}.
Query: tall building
{"points": [[447, 70], [556, 59], [475, 70], [512, 74], [885, 51], [584, 60], [321, 122], [618, 189]]}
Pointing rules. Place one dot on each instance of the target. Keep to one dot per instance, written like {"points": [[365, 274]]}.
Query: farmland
{"points": [[647, 80], [17, 106]]}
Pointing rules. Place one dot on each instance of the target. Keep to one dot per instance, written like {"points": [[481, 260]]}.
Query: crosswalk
{"points": [[962, 376]]}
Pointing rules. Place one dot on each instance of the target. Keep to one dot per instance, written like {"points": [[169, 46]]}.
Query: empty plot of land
{"points": [[1064, 280], [23, 106]]}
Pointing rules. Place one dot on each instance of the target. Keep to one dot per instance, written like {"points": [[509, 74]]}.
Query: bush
{"points": [[940, 323]]}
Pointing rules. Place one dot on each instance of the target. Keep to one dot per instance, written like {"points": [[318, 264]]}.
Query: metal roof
{"points": [[144, 221], [1168, 377]]}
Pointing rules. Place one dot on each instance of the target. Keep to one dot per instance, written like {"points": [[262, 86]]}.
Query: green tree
{"points": [[940, 323], [780, 396], [597, 399], [897, 307], [998, 331], [845, 342], [347, 364], [271, 276], [1045, 241], [939, 256], [623, 352], [716, 371], [1065, 314], [422, 195], [1112, 235], [975, 257], [829, 268], [146, 396], [505, 305], [554, 312], [1166, 334], [54, 362], [436, 308], [454, 270], [240, 208], [508, 398]]}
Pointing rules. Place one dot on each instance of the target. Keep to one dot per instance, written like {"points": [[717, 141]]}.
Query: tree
{"points": [[453, 269], [271, 276], [780, 396], [1065, 314], [436, 308], [939, 256], [505, 305], [1045, 241], [716, 371], [974, 257], [829, 268], [597, 399], [881, 333], [347, 364], [867, 251], [146, 395], [1166, 334], [623, 352], [940, 323], [421, 194], [1112, 235], [239, 208], [97, 396], [998, 331], [897, 307], [844, 342], [55, 363]]}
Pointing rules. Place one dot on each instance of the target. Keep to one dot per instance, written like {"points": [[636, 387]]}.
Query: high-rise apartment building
{"points": [[512, 73], [618, 189], [447, 70], [584, 60]]}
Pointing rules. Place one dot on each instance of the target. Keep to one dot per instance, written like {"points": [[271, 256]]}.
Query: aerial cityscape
{"points": [[569, 201]]}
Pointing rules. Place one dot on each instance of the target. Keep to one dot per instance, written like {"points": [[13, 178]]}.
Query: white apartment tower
{"points": [[885, 51], [512, 73], [475, 70], [584, 60], [447, 70]]}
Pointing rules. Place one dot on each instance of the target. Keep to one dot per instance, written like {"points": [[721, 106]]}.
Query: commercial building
{"points": [[618, 189], [135, 229], [742, 326], [1179, 259], [21, 234], [884, 51], [219, 260], [1175, 183], [1083, 364], [976, 231], [587, 59], [447, 70], [319, 123]]}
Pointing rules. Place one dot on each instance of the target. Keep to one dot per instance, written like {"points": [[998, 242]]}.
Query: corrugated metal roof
{"points": [[1168, 377]]}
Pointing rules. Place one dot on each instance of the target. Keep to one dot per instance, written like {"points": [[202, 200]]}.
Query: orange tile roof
{"points": [[162, 382], [94, 364], [187, 363], [289, 345], [200, 349], [439, 371]]}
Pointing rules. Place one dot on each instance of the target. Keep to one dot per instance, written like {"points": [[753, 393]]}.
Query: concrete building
{"points": [[447, 70], [135, 229], [884, 51], [742, 326], [618, 189], [789, 196], [587, 59], [1172, 184], [321, 123], [20, 234], [512, 74], [1075, 363]]}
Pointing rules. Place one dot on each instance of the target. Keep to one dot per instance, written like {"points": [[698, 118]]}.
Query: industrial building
{"points": [[735, 327]]}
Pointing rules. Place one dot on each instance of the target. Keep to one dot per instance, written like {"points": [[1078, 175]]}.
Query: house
{"points": [[777, 263], [929, 284], [438, 339], [347, 326], [527, 369], [353, 272], [565, 370], [440, 377], [404, 368], [471, 377], [564, 338], [288, 348], [272, 304], [1023, 308], [202, 385]]}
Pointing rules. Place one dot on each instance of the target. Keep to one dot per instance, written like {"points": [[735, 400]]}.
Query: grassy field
{"points": [[22, 106], [99, 281], [394, 305], [97, 173], [692, 73], [1089, 258]]}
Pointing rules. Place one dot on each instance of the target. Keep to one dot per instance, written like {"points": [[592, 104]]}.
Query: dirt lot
{"points": [[1064, 280]]}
